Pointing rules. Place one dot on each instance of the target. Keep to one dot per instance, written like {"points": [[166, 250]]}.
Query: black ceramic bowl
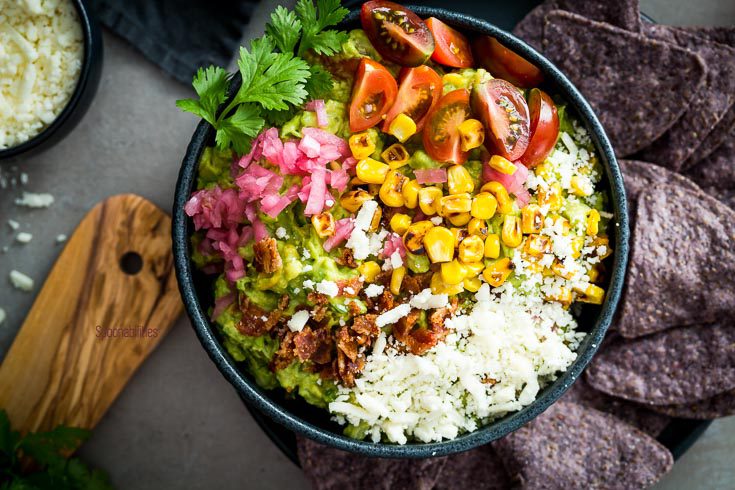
{"points": [[81, 98], [304, 419]]}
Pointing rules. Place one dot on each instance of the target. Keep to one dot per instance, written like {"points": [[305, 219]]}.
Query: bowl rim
{"points": [[253, 394], [92, 44]]}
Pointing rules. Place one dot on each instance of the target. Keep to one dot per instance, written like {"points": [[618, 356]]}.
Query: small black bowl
{"points": [[81, 98], [297, 415]]}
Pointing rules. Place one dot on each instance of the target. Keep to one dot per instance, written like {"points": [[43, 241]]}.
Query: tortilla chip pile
{"points": [[666, 96]]}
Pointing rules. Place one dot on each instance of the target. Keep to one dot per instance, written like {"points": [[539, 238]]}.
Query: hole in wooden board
{"points": [[131, 263]]}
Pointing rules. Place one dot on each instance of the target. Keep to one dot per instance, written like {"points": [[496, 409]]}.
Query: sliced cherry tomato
{"points": [[544, 128], [441, 134], [504, 63], [373, 95], [452, 48], [420, 89], [504, 113], [397, 34]]}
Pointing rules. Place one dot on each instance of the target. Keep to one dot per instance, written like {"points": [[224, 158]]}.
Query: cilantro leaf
{"points": [[211, 86], [46, 447], [285, 29], [271, 79], [239, 129], [320, 82], [316, 18]]}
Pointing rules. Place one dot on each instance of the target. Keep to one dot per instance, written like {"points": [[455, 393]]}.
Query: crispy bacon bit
{"points": [[283, 302], [347, 258], [319, 313], [285, 354], [346, 343], [313, 345], [385, 301], [254, 321], [267, 258], [365, 329], [347, 369], [414, 284], [317, 298], [353, 308], [352, 286]]}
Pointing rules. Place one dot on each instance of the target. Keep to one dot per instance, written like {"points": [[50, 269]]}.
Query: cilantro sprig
{"points": [[276, 78]]}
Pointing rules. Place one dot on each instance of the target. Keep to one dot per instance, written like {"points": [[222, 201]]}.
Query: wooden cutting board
{"points": [[108, 302]]}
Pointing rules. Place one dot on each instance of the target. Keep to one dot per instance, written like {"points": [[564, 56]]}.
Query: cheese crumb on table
{"points": [[23, 237], [21, 281], [34, 200], [2, 316]]}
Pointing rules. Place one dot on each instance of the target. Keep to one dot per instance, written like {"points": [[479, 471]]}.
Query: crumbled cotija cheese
{"points": [[41, 54], [21, 281]]}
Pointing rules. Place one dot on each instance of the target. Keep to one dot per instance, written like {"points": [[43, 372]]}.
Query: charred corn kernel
{"points": [[581, 186], [502, 165], [471, 249], [534, 267], [601, 246], [591, 294], [537, 245], [543, 170], [323, 224], [459, 235], [511, 232], [563, 296], [557, 267], [496, 273], [471, 134], [474, 268], [472, 284], [439, 244], [477, 227], [429, 199], [459, 180], [532, 221], [410, 193], [375, 222], [594, 273], [550, 196], [565, 226], [413, 239], [402, 127], [400, 223], [369, 270], [453, 272], [391, 192], [459, 219], [356, 181], [396, 279], [438, 286], [371, 171], [453, 204], [374, 189], [484, 205], [492, 246], [593, 222], [454, 79], [395, 156], [361, 145], [352, 201], [577, 244], [505, 203]]}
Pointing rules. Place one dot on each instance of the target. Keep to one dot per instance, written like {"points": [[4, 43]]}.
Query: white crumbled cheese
{"points": [[307, 268], [281, 233], [349, 290], [21, 281], [396, 260], [33, 200], [2, 316], [14, 225], [495, 360], [328, 287], [426, 300], [60, 238], [362, 243], [392, 316], [437, 220], [23, 237], [305, 254], [23, 178], [365, 215], [308, 284], [374, 290], [298, 321], [41, 54]]}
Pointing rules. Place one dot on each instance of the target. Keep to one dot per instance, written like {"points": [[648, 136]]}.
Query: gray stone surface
{"points": [[179, 424]]}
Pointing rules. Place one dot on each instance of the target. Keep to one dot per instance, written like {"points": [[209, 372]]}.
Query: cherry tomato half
{"points": [[373, 95], [441, 133], [452, 48], [544, 128], [504, 113], [504, 63], [420, 89], [397, 34]]}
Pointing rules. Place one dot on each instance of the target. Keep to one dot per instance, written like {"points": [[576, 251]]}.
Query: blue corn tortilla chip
{"points": [[682, 262], [721, 405], [717, 172], [478, 468], [574, 447], [332, 469], [679, 366], [708, 106], [649, 421], [638, 86], [624, 14], [639, 176]]}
